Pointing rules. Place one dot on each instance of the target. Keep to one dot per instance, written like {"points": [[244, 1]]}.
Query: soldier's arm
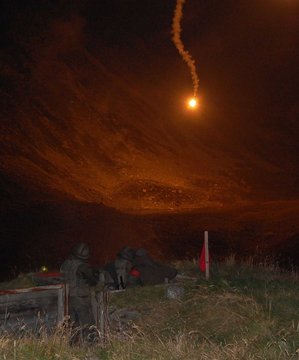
{"points": [[87, 273]]}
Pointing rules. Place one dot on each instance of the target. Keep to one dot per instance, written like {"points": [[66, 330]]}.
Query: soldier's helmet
{"points": [[126, 253], [141, 252], [81, 251]]}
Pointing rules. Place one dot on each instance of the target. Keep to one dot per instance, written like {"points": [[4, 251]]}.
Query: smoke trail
{"points": [[176, 38]]}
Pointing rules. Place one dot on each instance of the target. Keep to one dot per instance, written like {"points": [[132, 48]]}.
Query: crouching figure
{"points": [[117, 272]]}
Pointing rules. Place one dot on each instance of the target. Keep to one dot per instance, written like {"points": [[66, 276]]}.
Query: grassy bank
{"points": [[242, 312]]}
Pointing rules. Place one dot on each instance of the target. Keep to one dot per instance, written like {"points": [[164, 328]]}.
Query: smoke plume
{"points": [[176, 38]]}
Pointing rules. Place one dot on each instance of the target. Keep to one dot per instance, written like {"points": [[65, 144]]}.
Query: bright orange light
{"points": [[192, 103]]}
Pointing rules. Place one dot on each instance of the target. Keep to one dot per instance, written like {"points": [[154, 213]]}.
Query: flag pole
{"points": [[207, 258]]}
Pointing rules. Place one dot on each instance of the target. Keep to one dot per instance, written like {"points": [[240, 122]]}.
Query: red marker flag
{"points": [[202, 259]]}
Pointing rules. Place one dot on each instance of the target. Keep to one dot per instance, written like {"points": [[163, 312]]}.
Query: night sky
{"points": [[94, 122]]}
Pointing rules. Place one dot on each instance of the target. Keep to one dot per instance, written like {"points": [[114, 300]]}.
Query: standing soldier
{"points": [[79, 275]]}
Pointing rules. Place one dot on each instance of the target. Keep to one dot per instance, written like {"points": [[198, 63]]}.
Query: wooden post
{"points": [[60, 304], [66, 300], [102, 314], [207, 258]]}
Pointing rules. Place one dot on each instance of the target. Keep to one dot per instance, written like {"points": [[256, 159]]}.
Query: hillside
{"points": [[96, 144]]}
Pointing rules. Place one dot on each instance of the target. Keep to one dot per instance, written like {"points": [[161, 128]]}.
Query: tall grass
{"points": [[40, 345], [244, 311]]}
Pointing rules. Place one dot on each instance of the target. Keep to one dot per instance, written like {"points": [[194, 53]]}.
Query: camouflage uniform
{"points": [[118, 271], [79, 275]]}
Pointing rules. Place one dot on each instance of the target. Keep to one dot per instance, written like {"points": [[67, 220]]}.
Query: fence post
{"points": [[60, 304], [102, 314]]}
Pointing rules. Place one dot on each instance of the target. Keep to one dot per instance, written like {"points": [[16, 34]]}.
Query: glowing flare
{"points": [[192, 103]]}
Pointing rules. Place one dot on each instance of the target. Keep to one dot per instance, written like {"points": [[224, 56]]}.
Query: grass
{"points": [[244, 311]]}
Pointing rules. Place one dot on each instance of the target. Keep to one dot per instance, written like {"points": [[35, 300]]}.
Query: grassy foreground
{"points": [[242, 312]]}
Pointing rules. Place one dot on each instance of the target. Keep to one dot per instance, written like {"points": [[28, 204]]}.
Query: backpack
{"points": [[77, 285]]}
